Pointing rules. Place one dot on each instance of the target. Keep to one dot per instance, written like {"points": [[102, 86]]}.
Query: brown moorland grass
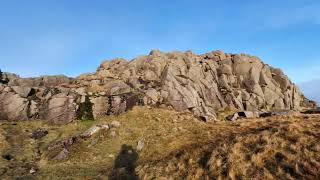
{"points": [[177, 146], [281, 147]]}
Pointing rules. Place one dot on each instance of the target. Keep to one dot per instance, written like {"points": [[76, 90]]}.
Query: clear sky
{"points": [[73, 36]]}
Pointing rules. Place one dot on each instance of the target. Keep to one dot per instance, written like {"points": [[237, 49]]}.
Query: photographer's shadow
{"points": [[125, 164]]}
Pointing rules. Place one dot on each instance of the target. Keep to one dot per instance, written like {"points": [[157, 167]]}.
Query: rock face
{"points": [[201, 84], [12, 106], [61, 108]]}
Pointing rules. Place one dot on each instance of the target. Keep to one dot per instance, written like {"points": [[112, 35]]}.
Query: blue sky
{"points": [[73, 36]]}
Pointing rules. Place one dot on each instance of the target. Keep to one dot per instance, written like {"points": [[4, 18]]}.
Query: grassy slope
{"points": [[272, 148], [177, 146]]}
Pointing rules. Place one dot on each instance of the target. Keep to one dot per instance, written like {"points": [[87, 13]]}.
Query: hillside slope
{"points": [[161, 143]]}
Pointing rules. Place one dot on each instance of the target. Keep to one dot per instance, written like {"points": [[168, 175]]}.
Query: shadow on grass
{"points": [[125, 164]]}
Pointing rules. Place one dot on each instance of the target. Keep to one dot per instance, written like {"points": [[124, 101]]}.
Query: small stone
{"points": [[63, 155], [140, 145], [115, 124], [111, 156], [92, 130], [32, 171], [105, 126], [113, 134], [233, 117], [157, 119], [93, 142], [39, 133]]}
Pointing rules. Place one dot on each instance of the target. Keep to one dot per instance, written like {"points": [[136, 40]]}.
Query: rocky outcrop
{"points": [[201, 84]]}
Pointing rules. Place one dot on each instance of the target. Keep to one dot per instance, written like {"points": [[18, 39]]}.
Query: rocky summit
{"points": [[173, 115], [201, 84]]}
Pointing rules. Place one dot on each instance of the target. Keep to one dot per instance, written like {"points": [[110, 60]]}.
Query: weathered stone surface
{"points": [[118, 105], [153, 95], [115, 124], [39, 133], [65, 143], [100, 106], [233, 117], [22, 91], [94, 129], [62, 108], [140, 145], [49, 81], [13, 107], [1, 87], [63, 155], [113, 134], [248, 114], [201, 84], [91, 131]]}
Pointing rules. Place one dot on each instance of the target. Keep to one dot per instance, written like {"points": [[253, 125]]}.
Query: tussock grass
{"points": [[273, 148]]}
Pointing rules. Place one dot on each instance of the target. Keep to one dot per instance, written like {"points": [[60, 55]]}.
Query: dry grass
{"points": [[177, 146], [272, 148]]}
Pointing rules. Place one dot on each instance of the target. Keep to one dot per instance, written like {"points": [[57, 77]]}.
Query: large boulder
{"points": [[13, 106], [22, 91], [100, 106], [62, 108]]}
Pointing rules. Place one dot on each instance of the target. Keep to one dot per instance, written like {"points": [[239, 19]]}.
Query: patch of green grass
{"points": [[86, 122]]}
